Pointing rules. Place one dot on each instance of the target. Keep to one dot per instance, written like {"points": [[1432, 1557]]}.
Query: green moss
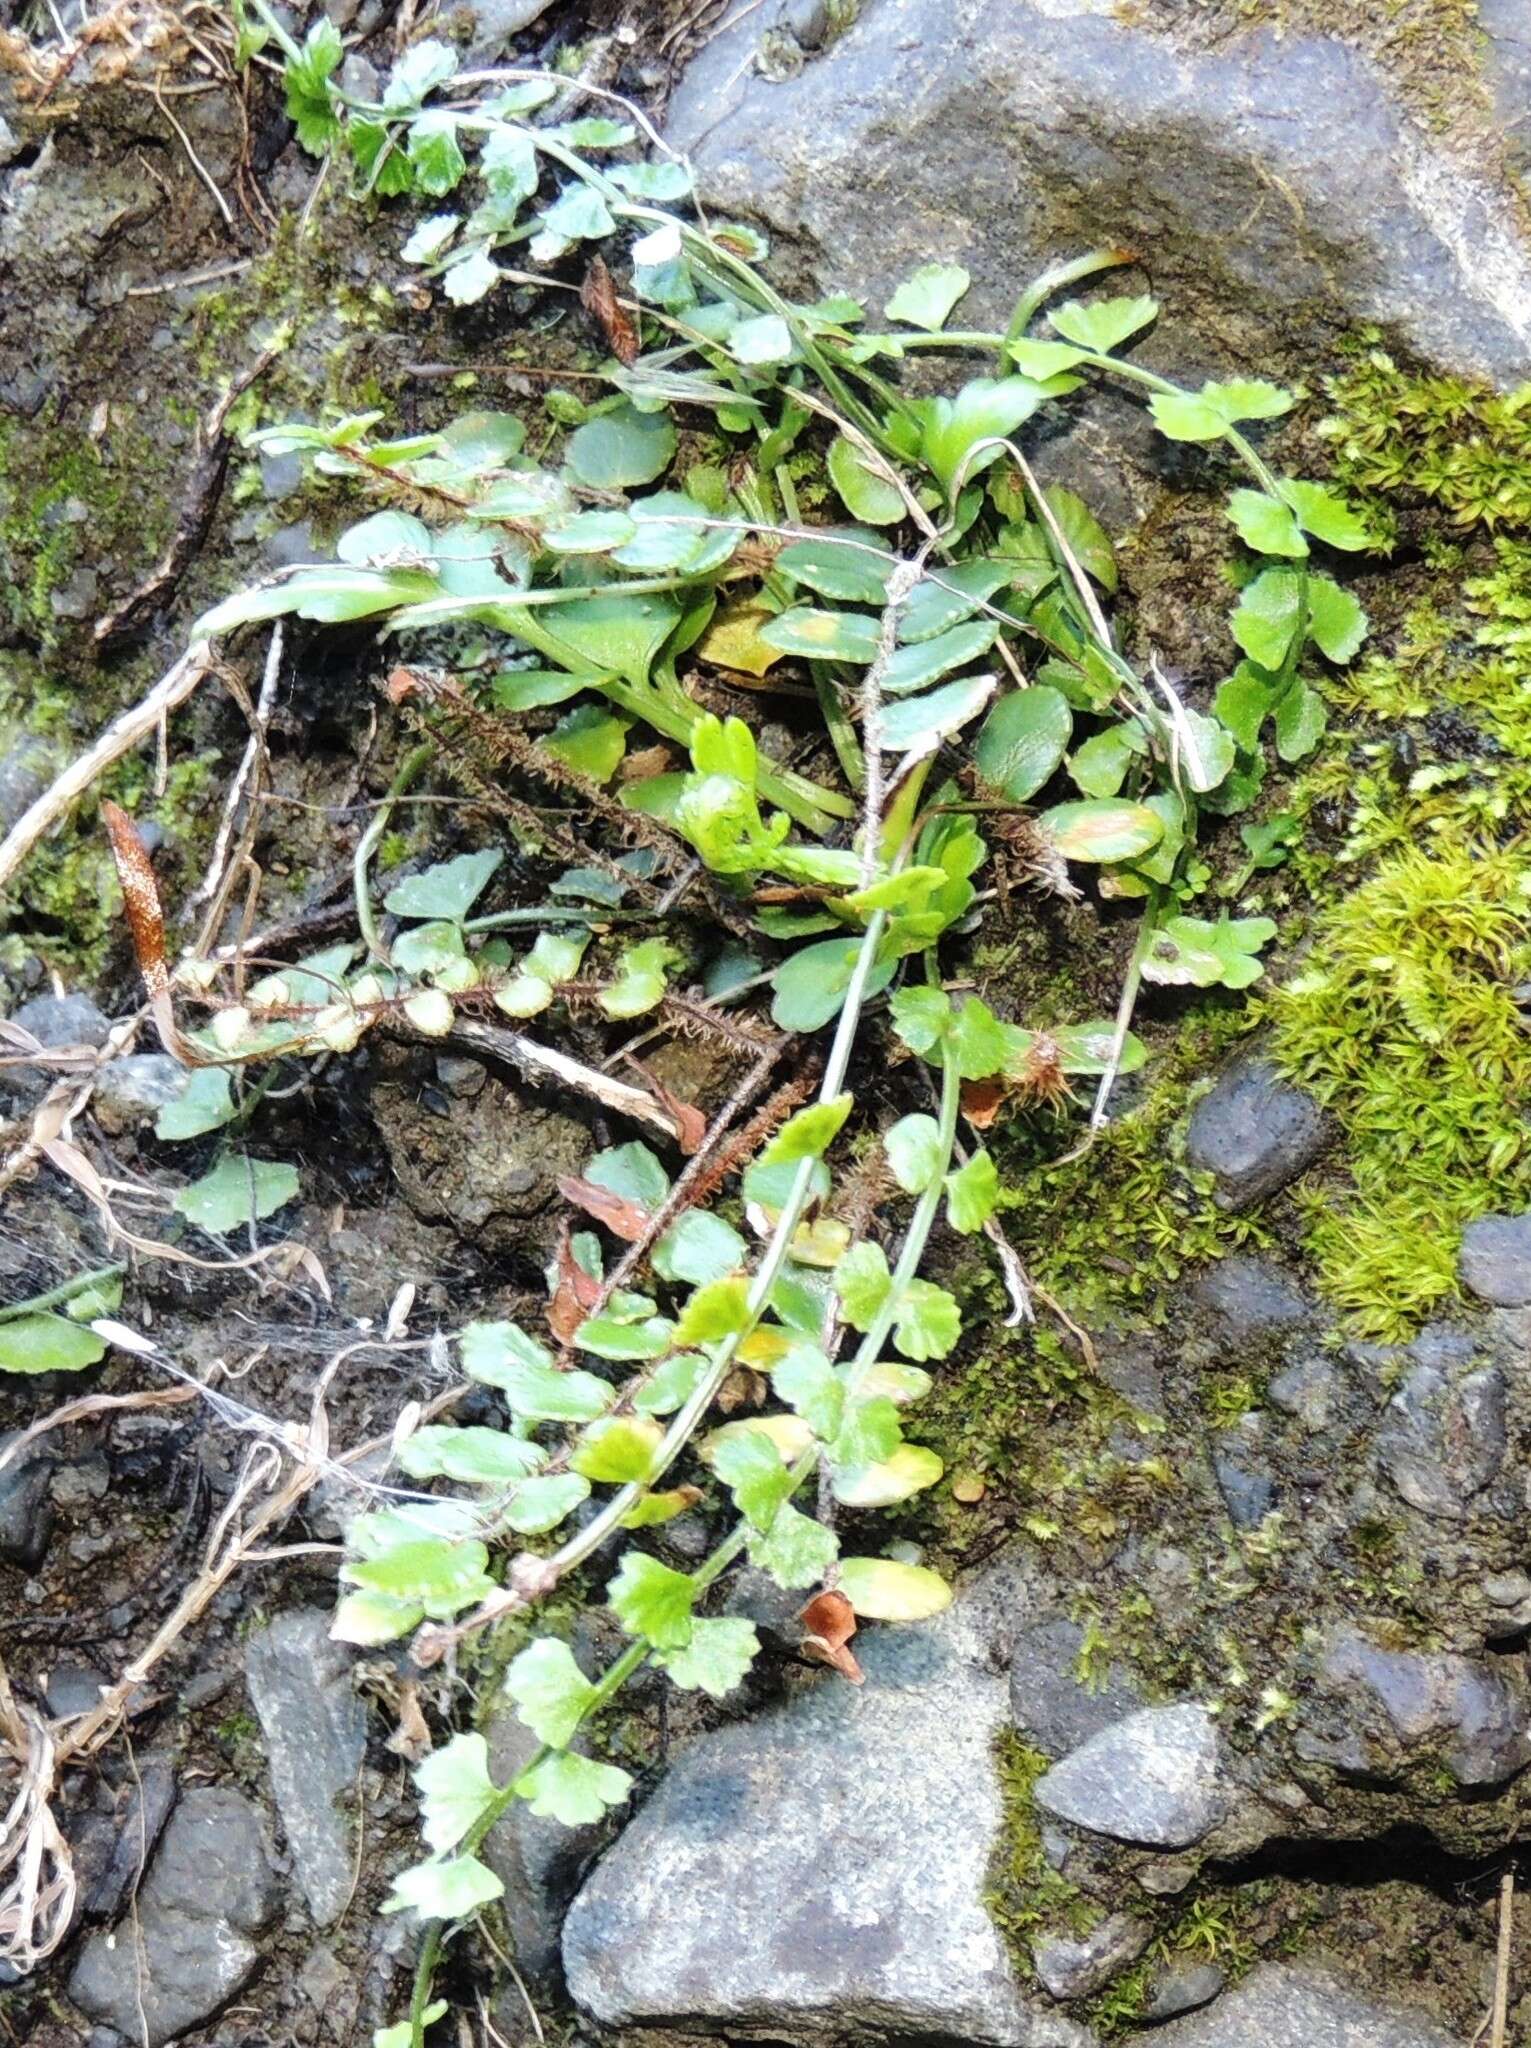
{"points": [[1225, 1401], [1119, 1221], [67, 498], [1025, 1894], [1403, 1019], [1428, 439], [1404, 1024]]}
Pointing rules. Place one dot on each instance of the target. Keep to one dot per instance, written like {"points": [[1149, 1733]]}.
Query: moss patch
{"points": [[1404, 1020], [1026, 1895], [1405, 1025], [1427, 439], [1118, 1222]]}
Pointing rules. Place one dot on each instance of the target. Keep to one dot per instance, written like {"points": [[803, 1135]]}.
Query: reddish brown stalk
{"points": [[598, 296]]}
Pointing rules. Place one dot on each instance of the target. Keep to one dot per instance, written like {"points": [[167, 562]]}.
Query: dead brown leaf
{"points": [[647, 761], [830, 1621], [411, 1739], [621, 1217], [690, 1123], [575, 1295], [140, 895], [982, 1102]]}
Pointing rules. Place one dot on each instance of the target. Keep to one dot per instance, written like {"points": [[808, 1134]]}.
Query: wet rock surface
{"points": [[1038, 127]]}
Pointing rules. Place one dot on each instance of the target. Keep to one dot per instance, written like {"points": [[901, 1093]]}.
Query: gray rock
{"points": [[291, 546], [1495, 1261], [1254, 1133], [754, 1596], [1248, 1494], [280, 475], [1311, 1390], [539, 1862], [26, 1514], [27, 767], [808, 22], [315, 1730], [1243, 1478], [1443, 1346], [133, 1090], [1153, 1778], [56, 1022], [1254, 1301], [1507, 1589], [1286, 2005], [954, 129], [173, 1968], [1129, 1368], [186, 1950], [1469, 1713], [127, 1841], [78, 596], [1050, 1704], [359, 77], [496, 21], [1182, 1987], [1443, 1439], [1506, 25], [1073, 1967], [213, 1860], [72, 1689], [793, 1874]]}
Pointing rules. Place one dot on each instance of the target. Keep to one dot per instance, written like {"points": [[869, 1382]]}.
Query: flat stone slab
{"points": [[818, 1871]]}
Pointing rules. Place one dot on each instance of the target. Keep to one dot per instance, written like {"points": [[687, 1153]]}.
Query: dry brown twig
{"points": [[251, 774], [544, 1063], [1499, 2017]]}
